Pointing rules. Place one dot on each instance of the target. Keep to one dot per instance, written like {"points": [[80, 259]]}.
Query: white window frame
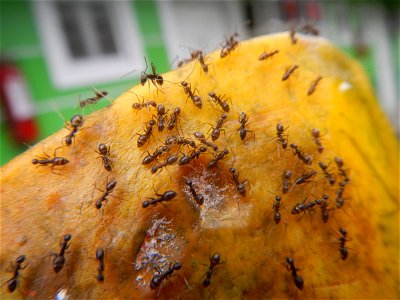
{"points": [[172, 23], [68, 72]]}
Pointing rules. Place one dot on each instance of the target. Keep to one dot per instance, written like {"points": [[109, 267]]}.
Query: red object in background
{"points": [[18, 104]]}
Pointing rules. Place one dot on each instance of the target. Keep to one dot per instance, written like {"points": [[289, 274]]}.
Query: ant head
{"points": [[184, 84], [68, 140], [159, 80], [155, 282], [215, 258], [339, 162], [278, 198], [315, 132], [76, 121], [177, 266], [199, 135], [35, 161], [189, 182], [289, 260], [98, 204], [212, 94], [67, 237], [146, 204], [343, 231], [177, 111], [143, 78], [152, 122], [232, 170], [160, 109], [279, 127], [20, 259], [293, 146]]}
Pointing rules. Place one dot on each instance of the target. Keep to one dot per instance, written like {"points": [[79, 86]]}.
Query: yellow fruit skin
{"points": [[38, 207]]}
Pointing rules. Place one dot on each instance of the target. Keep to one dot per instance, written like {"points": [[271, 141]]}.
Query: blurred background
{"points": [[55, 53]]}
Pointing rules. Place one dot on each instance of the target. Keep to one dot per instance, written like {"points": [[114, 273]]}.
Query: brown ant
{"points": [[303, 207], [297, 151], [74, 124], [219, 100], [292, 34], [324, 208], [143, 138], [217, 157], [188, 91], [229, 45], [157, 279], [342, 172], [195, 154], [174, 140], [158, 152], [169, 161], [160, 117], [144, 104], [104, 153], [313, 86], [298, 281], [109, 188], [93, 100], [316, 135], [100, 268], [240, 187], [197, 197], [328, 175], [310, 29], [59, 259], [266, 55], [214, 261], [305, 177], [339, 195], [243, 119], [167, 196], [55, 161], [289, 72], [343, 250], [200, 136], [199, 55], [174, 118], [153, 77], [280, 134], [12, 283], [276, 207], [286, 175], [217, 129]]}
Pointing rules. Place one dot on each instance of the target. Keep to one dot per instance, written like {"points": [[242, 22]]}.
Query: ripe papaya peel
{"points": [[39, 205]]}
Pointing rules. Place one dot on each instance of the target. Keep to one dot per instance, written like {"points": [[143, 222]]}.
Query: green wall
{"points": [[18, 32]]}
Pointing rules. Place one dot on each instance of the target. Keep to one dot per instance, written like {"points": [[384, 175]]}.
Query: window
{"points": [[89, 42]]}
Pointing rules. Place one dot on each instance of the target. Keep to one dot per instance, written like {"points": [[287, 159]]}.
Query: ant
{"points": [[344, 251], [104, 153], [154, 77], [219, 100], [160, 117], [100, 268], [328, 175], [280, 133], [305, 177], [217, 157], [59, 259], [157, 279], [240, 187], [310, 29], [172, 140], [286, 175], [187, 88], [12, 283], [174, 117], [289, 72], [144, 104], [214, 261], [109, 188], [276, 206], [313, 86], [302, 207], [93, 100], [342, 172], [243, 119], [200, 136], [292, 34], [298, 281], [195, 154], [143, 138], [197, 197], [316, 135], [199, 55], [158, 152], [297, 151], [167, 196], [217, 129], [266, 55], [55, 161], [339, 195], [230, 44], [169, 161], [324, 208], [74, 124]]}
